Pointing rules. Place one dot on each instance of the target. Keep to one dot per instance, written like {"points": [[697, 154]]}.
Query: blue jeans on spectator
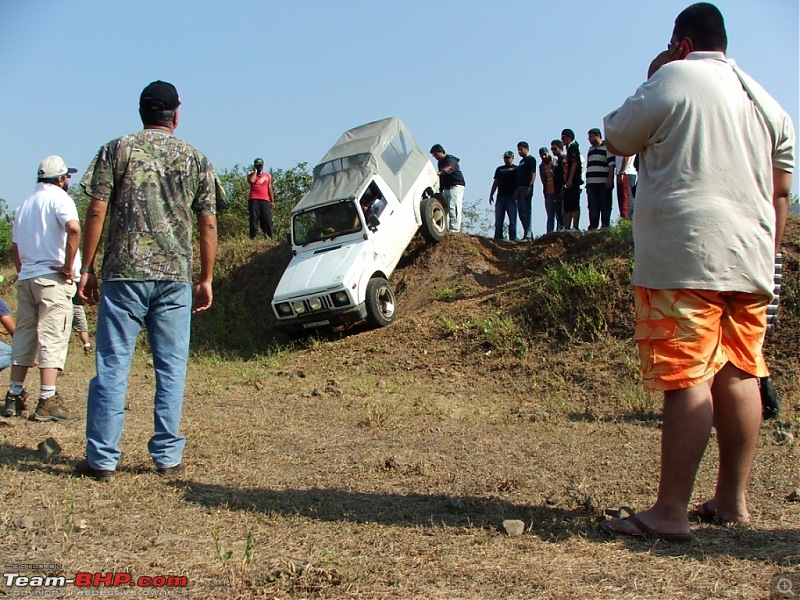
{"points": [[164, 307], [505, 205], [601, 199], [524, 208], [552, 209], [454, 197], [5, 356]]}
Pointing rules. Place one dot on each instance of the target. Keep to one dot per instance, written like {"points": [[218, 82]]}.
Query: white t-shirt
{"points": [[629, 169], [704, 214], [40, 234]]}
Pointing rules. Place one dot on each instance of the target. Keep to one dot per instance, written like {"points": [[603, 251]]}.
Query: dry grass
{"points": [[381, 465]]}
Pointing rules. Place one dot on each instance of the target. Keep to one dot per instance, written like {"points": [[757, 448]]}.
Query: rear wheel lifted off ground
{"points": [[434, 219], [381, 304]]}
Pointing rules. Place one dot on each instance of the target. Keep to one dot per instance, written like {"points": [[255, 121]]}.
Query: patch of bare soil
{"points": [[382, 463]]}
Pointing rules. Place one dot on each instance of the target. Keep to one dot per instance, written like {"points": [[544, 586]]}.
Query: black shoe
{"points": [[84, 469], [169, 472]]}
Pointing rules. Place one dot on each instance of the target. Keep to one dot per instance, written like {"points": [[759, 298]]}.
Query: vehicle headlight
{"points": [[284, 308], [341, 299], [298, 307], [315, 303]]}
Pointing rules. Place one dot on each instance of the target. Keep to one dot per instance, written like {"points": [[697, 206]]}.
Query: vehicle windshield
{"points": [[326, 223]]}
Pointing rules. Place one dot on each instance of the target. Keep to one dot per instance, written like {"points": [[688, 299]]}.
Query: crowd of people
{"points": [[704, 259], [563, 175]]}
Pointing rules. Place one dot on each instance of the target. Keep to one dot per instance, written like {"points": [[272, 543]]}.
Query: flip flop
{"points": [[705, 514], [644, 531]]}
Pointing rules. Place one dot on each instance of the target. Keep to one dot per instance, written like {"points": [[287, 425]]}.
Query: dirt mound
{"points": [[471, 293]]}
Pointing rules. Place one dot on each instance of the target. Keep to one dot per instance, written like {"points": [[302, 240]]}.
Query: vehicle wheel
{"points": [[434, 219], [381, 305]]}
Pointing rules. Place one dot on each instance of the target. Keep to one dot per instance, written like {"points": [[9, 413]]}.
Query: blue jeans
{"points": [[506, 205], [454, 197], [164, 307], [552, 209], [5, 356], [524, 208]]}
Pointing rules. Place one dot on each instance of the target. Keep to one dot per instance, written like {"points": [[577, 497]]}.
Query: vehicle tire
{"points": [[434, 219], [381, 304]]}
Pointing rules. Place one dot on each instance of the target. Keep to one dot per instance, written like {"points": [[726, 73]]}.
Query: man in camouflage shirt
{"points": [[148, 183]]}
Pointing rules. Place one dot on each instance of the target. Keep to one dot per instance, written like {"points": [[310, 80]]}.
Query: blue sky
{"points": [[282, 80]]}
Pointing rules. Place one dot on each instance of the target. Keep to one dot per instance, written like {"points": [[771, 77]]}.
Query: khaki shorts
{"points": [[686, 336], [79, 322], [44, 316]]}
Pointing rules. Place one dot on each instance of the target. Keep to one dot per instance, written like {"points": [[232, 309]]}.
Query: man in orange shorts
{"points": [[710, 214]]}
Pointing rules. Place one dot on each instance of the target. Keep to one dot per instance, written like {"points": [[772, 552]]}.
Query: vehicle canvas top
{"points": [[384, 147]]}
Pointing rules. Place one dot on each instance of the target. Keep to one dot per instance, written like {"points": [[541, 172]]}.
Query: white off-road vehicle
{"points": [[371, 193]]}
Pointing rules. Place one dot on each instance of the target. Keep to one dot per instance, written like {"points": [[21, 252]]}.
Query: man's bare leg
{"points": [[684, 435], [737, 417]]}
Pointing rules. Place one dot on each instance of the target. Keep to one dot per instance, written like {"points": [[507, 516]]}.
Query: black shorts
{"points": [[572, 199]]}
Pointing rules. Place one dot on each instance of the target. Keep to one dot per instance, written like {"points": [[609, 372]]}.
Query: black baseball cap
{"points": [[259, 162], [159, 95], [508, 154]]}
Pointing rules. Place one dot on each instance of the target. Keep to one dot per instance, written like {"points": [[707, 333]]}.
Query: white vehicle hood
{"points": [[313, 271]]}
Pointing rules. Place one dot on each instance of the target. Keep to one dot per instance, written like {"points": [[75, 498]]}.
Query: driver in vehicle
{"points": [[372, 203]]}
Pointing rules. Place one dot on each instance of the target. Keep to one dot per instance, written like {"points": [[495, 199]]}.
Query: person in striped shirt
{"points": [[600, 168]]}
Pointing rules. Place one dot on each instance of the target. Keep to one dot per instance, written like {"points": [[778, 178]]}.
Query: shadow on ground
{"points": [[551, 524]]}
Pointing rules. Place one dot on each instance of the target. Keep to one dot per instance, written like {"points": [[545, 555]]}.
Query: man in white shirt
{"points": [[45, 252], [710, 214]]}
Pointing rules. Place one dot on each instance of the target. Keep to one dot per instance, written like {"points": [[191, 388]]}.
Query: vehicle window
{"points": [[341, 164], [372, 201], [325, 222], [396, 153]]}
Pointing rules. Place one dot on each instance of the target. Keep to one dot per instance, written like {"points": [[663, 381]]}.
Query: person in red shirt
{"points": [[260, 199]]}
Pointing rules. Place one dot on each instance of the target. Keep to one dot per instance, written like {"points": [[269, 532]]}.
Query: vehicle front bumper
{"points": [[327, 318]]}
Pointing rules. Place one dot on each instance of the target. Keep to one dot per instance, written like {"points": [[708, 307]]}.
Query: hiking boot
{"points": [[169, 472], [52, 409], [15, 405], [84, 469]]}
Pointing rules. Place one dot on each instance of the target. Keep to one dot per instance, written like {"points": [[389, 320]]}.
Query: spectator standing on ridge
{"points": [[526, 175], [148, 184], [572, 181], [451, 184], [504, 183], [701, 308], [559, 158], [547, 177], [260, 200], [626, 185], [600, 168], [45, 252]]}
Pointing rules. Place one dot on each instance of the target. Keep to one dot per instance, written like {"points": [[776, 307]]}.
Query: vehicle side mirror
{"points": [[373, 221]]}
